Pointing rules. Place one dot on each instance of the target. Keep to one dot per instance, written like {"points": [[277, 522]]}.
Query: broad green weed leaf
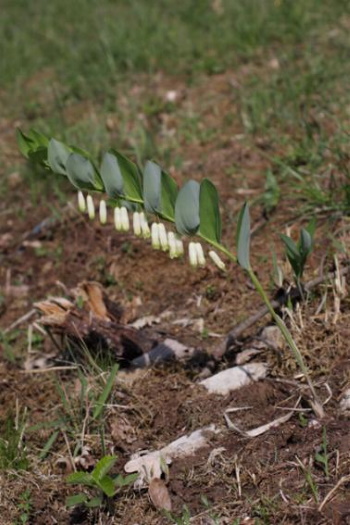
{"points": [[112, 176], [131, 177], [77, 499], [123, 481], [209, 212], [57, 156], [82, 173], [103, 466], [187, 208], [94, 502], [106, 484], [80, 478], [243, 237]]}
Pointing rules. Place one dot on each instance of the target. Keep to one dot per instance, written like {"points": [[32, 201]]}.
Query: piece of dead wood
{"points": [[90, 317], [151, 465], [95, 321], [219, 351]]}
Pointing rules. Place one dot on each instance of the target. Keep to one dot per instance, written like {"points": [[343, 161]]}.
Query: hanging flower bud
{"points": [[217, 260], [200, 254], [90, 207], [117, 219], [81, 202], [179, 247], [192, 254], [172, 245], [103, 212], [124, 219], [146, 233], [137, 224], [163, 238], [155, 236]]}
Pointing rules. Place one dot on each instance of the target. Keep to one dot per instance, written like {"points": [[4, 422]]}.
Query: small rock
{"points": [[345, 401]]}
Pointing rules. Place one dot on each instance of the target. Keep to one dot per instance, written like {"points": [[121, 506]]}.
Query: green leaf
{"points": [[112, 176], [131, 177], [169, 192], [39, 138], [243, 237], [25, 143], [103, 466], [80, 478], [106, 484], [293, 255], [45, 450], [77, 499], [187, 208], [123, 481], [82, 173], [305, 244], [209, 212], [152, 195], [94, 502], [57, 156], [106, 392], [159, 191]]}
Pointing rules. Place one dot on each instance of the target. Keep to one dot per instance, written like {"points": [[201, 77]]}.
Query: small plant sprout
{"points": [[137, 224], [103, 211], [103, 485], [90, 207], [81, 202], [193, 210], [217, 260]]}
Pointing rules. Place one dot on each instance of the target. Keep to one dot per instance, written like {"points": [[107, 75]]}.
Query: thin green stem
{"points": [[289, 339], [317, 405]]}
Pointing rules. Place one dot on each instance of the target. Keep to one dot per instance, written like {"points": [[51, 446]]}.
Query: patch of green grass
{"points": [[12, 449], [86, 44]]}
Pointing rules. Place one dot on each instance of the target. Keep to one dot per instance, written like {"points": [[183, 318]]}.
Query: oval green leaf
{"points": [[112, 176], [187, 208], [209, 212], [57, 156], [243, 237], [82, 173]]}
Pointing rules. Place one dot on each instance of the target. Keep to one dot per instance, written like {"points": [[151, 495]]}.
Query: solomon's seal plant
{"points": [[151, 194]]}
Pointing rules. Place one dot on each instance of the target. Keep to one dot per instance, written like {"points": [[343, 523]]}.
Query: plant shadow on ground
{"points": [[281, 108]]}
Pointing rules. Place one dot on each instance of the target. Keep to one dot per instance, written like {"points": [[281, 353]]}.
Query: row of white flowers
{"points": [[160, 238]]}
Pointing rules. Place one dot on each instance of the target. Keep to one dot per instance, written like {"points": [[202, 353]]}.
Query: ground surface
{"points": [[233, 126]]}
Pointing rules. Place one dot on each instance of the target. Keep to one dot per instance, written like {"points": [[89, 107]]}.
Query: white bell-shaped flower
{"points": [[103, 211], [81, 202], [90, 207], [124, 219], [217, 260]]}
